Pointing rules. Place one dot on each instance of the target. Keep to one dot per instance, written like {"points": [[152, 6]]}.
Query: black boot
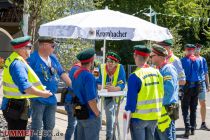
{"points": [[187, 133], [192, 131]]}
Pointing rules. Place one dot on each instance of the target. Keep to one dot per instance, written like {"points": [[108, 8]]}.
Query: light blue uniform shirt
{"points": [[178, 65], [171, 86], [19, 74], [48, 78]]}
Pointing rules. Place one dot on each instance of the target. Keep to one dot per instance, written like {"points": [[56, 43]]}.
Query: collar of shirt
{"points": [[47, 62], [162, 65]]}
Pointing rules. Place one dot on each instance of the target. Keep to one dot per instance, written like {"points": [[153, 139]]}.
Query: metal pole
{"points": [[102, 71], [150, 13]]}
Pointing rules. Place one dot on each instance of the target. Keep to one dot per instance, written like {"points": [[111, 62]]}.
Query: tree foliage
{"points": [[68, 49], [186, 19], [43, 11]]}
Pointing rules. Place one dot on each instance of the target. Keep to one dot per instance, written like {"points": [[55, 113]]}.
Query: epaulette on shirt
{"points": [[168, 77]]}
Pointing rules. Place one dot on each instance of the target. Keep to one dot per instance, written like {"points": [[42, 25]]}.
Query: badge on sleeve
{"points": [[120, 82]]}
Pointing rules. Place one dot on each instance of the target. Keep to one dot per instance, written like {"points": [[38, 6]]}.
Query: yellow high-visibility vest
{"points": [[150, 96], [165, 121], [10, 89], [116, 74]]}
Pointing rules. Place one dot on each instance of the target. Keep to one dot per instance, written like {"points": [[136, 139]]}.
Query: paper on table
{"points": [[126, 124]]}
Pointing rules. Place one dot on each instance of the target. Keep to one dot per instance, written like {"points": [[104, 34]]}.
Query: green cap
{"points": [[142, 50], [168, 42], [159, 50], [113, 56], [86, 55], [20, 42], [190, 46], [46, 39]]}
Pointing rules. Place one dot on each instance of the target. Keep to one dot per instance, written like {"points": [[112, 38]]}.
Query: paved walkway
{"points": [[61, 124]]}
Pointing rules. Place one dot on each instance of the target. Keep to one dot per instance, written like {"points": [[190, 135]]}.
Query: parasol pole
{"points": [[104, 52]]}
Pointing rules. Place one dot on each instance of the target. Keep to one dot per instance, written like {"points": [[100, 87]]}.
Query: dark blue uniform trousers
{"points": [[190, 100]]}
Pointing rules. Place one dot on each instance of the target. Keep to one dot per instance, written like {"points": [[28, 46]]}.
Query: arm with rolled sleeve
{"points": [[181, 74], [134, 86], [19, 74], [170, 86], [61, 72]]}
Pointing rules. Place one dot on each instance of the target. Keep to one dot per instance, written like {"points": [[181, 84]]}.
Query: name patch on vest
{"points": [[150, 75], [153, 83]]}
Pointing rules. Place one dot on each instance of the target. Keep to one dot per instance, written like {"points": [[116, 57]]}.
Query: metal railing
{"points": [[130, 69]]}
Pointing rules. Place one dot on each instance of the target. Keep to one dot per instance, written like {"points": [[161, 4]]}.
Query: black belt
{"points": [[193, 83]]}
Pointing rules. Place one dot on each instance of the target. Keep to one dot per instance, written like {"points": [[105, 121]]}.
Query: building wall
{"points": [[10, 18]]}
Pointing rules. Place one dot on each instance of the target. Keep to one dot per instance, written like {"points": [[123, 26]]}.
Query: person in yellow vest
{"points": [[114, 80], [171, 58], [144, 96], [19, 83], [170, 99]]}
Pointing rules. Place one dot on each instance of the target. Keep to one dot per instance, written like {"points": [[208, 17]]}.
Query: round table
{"points": [[105, 93], [120, 95]]}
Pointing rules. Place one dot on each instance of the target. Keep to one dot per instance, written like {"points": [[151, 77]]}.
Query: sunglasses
{"points": [[53, 46], [29, 47]]}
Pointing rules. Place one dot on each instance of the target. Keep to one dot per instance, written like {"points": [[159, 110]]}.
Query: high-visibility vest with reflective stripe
{"points": [[150, 96], [10, 90], [165, 121], [116, 74]]}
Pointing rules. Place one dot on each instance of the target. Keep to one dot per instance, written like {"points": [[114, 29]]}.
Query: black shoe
{"points": [[204, 127], [192, 132], [187, 133]]}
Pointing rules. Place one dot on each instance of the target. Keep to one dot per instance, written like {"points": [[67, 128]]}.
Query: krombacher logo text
{"points": [[110, 34]]}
